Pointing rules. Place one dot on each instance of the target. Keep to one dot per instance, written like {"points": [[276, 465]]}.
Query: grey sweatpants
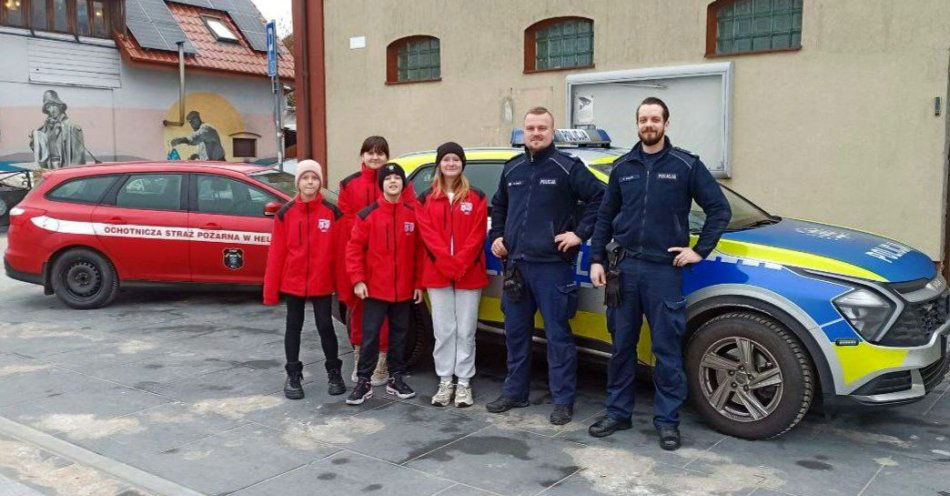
{"points": [[454, 315]]}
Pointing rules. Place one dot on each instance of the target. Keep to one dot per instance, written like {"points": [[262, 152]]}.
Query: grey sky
{"points": [[278, 10]]}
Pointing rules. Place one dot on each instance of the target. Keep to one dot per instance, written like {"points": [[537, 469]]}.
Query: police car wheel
{"points": [[84, 279], [419, 337], [749, 376]]}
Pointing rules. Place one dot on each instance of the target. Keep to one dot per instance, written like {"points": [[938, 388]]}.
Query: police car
{"points": [[783, 314], [84, 232]]}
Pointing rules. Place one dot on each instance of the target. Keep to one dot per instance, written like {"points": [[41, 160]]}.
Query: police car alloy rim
{"points": [[741, 379], [83, 279]]}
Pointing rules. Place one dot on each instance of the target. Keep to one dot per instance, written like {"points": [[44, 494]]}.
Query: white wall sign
{"points": [[357, 42]]}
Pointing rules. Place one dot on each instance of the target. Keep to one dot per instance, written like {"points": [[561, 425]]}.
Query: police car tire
{"points": [[798, 377], [108, 285], [419, 338]]}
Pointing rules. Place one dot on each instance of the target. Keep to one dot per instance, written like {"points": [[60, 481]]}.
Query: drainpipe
{"points": [[181, 88]]}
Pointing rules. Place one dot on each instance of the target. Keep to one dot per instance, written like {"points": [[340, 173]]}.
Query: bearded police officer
{"points": [[534, 227], [646, 210]]}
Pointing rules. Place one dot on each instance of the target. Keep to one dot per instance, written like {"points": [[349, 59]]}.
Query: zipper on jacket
{"points": [[395, 258], [306, 282], [646, 196], [527, 203]]}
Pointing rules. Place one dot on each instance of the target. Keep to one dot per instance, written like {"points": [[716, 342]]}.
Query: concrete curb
{"points": [[117, 469]]}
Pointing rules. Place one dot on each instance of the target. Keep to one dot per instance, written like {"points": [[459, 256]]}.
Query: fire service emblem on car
{"points": [[233, 258]]}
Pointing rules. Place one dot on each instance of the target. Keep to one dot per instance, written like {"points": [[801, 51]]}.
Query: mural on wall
{"points": [[59, 141], [205, 137], [209, 122]]}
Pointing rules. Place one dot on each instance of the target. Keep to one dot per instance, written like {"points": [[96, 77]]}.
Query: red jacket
{"points": [[304, 249], [358, 191], [383, 251], [464, 225]]}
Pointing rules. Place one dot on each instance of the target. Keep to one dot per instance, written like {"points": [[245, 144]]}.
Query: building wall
{"points": [[125, 122], [842, 131]]}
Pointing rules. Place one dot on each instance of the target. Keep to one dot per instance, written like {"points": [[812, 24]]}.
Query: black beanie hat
{"points": [[388, 170], [447, 148]]}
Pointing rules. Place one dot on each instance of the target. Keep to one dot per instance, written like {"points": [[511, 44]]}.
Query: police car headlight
{"points": [[937, 284], [867, 311]]}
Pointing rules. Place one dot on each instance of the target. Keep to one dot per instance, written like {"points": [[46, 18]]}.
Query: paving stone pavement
{"points": [[186, 386]]}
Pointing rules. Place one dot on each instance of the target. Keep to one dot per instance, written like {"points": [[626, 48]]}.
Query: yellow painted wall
{"points": [[216, 111]]}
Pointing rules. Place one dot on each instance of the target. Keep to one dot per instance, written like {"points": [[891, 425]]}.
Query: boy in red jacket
{"points": [[357, 191], [381, 259], [301, 265]]}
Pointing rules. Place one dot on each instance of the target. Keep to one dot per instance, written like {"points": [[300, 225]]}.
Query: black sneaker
{"points": [[504, 403], [561, 414], [399, 388], [293, 390], [337, 386], [361, 392]]}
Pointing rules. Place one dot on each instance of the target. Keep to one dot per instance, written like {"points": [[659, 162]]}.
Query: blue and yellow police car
{"points": [[782, 315]]}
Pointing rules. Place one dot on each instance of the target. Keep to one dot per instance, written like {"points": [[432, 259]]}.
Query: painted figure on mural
{"points": [[205, 138], [59, 141]]}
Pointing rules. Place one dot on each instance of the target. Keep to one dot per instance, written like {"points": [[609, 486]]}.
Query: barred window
{"points": [[559, 43], [743, 26], [415, 58]]}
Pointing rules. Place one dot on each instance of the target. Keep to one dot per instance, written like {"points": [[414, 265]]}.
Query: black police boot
{"points": [[337, 386], [607, 426], [561, 414], [504, 403], [293, 390], [669, 438]]}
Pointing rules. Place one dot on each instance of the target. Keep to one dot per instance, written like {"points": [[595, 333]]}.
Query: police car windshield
{"points": [[276, 179], [745, 214]]}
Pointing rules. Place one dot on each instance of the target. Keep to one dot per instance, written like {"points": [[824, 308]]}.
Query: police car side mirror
{"points": [[272, 208]]}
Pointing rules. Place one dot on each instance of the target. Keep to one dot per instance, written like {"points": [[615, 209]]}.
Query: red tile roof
{"points": [[211, 54]]}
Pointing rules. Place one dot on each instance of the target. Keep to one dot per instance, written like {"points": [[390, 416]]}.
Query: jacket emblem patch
{"points": [[629, 178], [515, 183], [323, 225], [669, 176], [408, 227], [466, 207], [550, 182]]}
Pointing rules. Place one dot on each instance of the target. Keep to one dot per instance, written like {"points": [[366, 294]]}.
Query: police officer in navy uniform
{"points": [[535, 229], [646, 210]]}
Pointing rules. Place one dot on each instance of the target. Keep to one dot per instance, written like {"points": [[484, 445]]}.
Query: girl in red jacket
{"points": [[452, 220], [357, 191], [302, 262], [381, 260]]}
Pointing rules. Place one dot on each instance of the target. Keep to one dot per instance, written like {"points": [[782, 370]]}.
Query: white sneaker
{"points": [[463, 396], [443, 396], [381, 374], [356, 364]]}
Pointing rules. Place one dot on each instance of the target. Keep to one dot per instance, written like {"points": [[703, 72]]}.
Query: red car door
{"points": [[143, 226], [231, 231]]}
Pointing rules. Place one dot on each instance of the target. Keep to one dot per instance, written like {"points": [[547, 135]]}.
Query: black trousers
{"points": [[374, 312], [322, 314]]}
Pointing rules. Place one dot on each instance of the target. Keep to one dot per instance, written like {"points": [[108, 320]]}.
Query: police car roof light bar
{"points": [[569, 137]]}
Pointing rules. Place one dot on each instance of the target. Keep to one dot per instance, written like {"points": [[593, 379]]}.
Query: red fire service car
{"points": [[86, 231]]}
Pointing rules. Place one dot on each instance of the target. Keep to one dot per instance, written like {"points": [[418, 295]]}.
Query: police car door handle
{"points": [[116, 220], [211, 226]]}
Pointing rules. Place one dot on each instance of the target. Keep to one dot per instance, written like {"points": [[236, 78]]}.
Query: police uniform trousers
{"points": [[655, 290], [550, 288]]}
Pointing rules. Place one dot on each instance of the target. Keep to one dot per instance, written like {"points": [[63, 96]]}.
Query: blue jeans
{"points": [[654, 290], [550, 288]]}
